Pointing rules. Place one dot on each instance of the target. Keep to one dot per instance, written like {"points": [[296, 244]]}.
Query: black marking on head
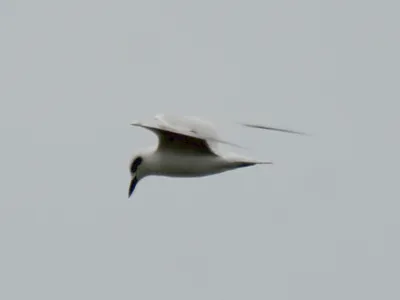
{"points": [[132, 185], [135, 164]]}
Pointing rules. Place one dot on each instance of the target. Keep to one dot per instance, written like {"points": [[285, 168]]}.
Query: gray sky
{"points": [[321, 223]]}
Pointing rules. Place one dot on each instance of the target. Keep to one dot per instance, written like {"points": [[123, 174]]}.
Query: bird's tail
{"points": [[247, 161], [254, 162]]}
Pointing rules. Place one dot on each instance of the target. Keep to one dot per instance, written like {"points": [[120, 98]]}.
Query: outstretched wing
{"points": [[184, 134], [193, 126]]}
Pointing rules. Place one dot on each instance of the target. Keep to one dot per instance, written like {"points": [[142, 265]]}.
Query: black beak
{"points": [[132, 186]]}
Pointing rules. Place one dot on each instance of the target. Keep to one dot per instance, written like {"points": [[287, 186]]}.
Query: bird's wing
{"points": [[187, 134], [272, 128], [193, 126]]}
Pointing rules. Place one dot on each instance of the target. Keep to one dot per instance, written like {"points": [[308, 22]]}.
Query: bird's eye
{"points": [[135, 164]]}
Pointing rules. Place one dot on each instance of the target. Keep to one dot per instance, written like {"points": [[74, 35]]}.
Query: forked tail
{"points": [[252, 163]]}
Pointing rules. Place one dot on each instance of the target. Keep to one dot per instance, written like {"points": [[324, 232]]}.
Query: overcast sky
{"points": [[321, 223]]}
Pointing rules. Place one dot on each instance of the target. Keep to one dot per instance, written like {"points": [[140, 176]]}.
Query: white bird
{"points": [[187, 147]]}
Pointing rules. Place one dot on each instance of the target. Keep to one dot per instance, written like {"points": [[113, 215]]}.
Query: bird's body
{"points": [[177, 164], [188, 147]]}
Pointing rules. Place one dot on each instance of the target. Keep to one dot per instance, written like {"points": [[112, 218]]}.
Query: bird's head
{"points": [[139, 168]]}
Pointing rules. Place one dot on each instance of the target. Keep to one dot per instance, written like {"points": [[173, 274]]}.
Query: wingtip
{"points": [[272, 128]]}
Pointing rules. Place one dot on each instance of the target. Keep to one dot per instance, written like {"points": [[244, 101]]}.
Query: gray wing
{"points": [[193, 126], [184, 134]]}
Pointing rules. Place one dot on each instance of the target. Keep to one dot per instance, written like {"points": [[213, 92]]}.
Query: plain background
{"points": [[321, 223]]}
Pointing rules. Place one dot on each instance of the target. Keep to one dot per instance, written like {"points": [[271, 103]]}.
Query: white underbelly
{"points": [[189, 166]]}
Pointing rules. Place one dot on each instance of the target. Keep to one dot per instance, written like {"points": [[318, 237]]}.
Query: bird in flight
{"points": [[187, 147]]}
